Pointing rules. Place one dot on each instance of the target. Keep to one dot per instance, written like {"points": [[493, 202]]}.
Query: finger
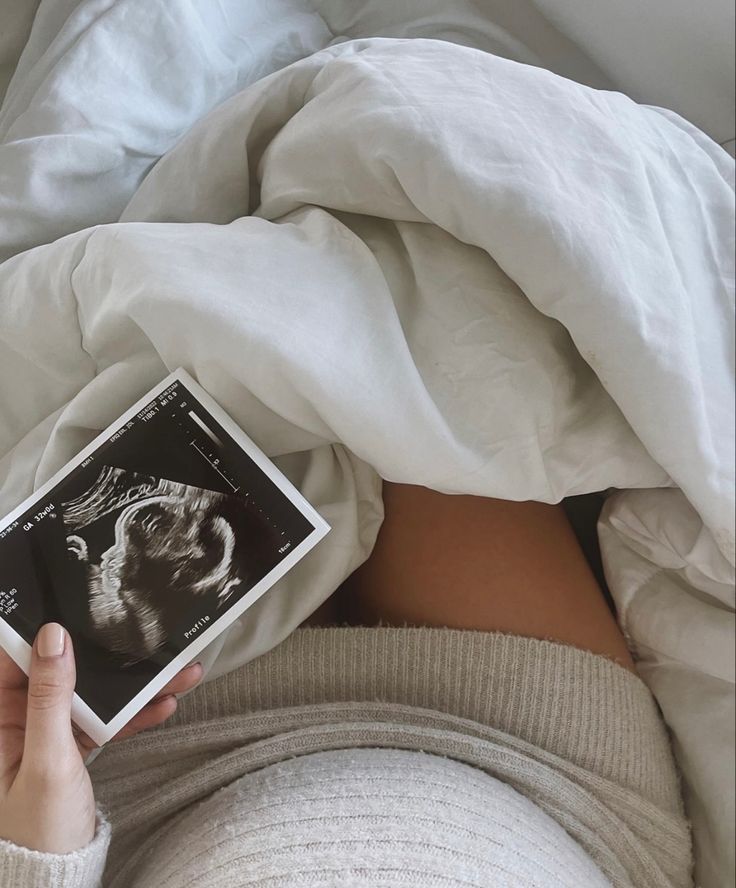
{"points": [[50, 690], [11, 675], [13, 703], [149, 717], [155, 713], [182, 681]]}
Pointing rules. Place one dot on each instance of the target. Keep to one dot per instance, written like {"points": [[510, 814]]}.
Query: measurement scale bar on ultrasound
{"points": [[217, 441]]}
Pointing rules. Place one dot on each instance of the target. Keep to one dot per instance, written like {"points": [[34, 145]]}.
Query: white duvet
{"points": [[397, 258]]}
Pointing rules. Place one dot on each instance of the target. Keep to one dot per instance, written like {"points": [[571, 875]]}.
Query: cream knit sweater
{"points": [[370, 757]]}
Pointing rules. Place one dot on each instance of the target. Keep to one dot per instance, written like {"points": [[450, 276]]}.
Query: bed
{"points": [[400, 222]]}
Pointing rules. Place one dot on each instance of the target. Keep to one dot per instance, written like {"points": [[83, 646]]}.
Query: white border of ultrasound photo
{"points": [[20, 650]]}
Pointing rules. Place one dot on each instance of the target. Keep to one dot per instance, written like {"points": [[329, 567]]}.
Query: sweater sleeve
{"points": [[23, 868]]}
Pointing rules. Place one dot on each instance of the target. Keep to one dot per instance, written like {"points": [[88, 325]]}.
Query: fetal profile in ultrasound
{"points": [[158, 554]]}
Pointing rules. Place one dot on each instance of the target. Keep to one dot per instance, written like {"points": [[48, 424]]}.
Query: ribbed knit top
{"points": [[391, 757]]}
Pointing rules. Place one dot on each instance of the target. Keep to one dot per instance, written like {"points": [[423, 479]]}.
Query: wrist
{"points": [[54, 815], [83, 868]]}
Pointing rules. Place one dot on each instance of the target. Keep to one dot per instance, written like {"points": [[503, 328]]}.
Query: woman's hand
{"points": [[46, 798]]}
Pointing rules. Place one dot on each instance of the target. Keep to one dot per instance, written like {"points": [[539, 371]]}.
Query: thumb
{"points": [[50, 690]]}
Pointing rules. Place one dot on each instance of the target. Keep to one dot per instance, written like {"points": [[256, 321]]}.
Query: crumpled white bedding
{"points": [[403, 258]]}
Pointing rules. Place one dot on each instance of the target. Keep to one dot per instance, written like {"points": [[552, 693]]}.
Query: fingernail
{"points": [[50, 641]]}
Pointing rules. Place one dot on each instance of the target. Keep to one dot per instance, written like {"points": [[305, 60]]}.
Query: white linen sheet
{"points": [[394, 257]]}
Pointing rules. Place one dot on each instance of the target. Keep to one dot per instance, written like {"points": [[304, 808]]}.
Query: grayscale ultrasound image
{"points": [[144, 545], [166, 544]]}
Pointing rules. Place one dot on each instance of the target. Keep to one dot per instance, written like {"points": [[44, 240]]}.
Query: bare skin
{"points": [[470, 562], [46, 797]]}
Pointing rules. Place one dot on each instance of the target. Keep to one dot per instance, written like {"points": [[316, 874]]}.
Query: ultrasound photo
{"points": [[147, 546], [153, 549]]}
